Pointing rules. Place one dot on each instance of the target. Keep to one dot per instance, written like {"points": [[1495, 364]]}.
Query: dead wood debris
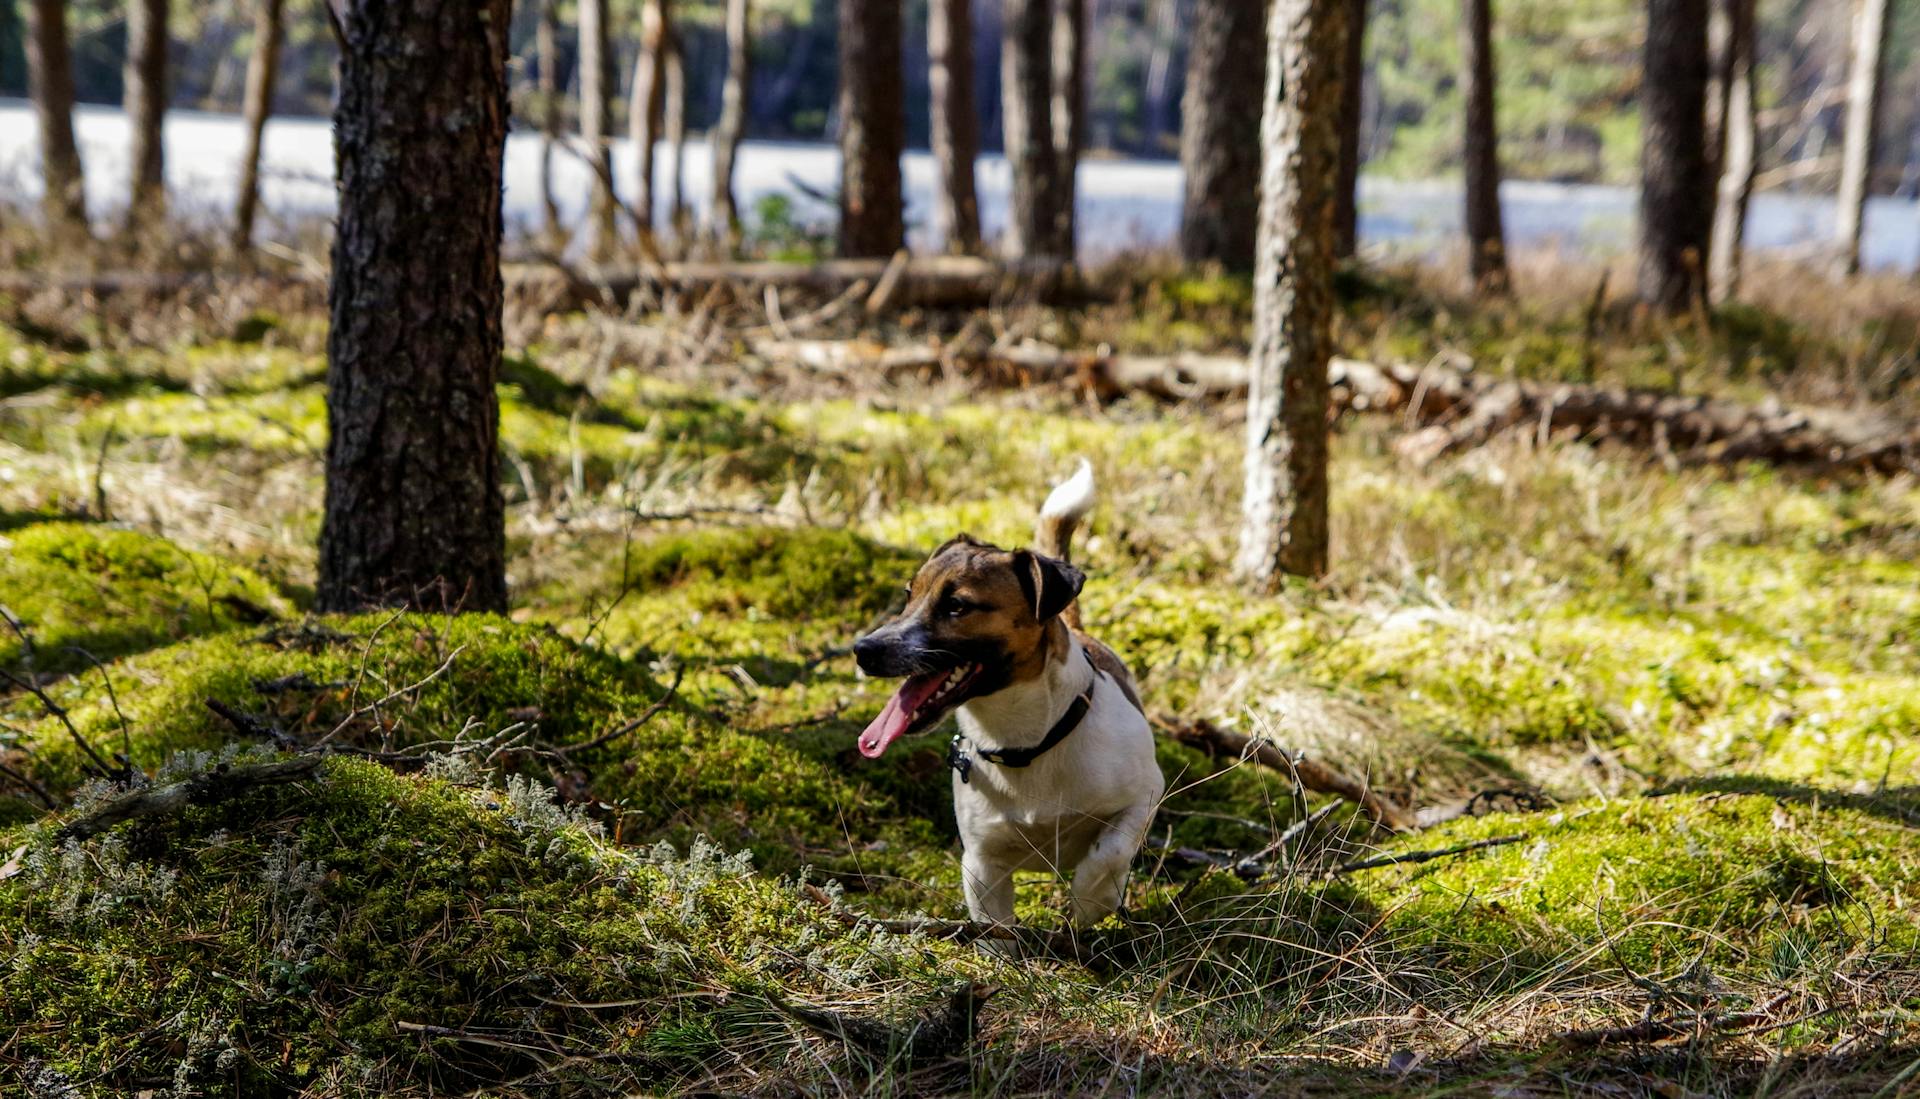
{"points": [[1309, 774], [1451, 407], [207, 788]]}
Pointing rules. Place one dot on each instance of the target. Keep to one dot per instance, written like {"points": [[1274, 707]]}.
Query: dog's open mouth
{"points": [[917, 706]]}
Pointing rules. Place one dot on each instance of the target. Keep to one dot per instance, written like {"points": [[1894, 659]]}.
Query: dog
{"points": [[1053, 765]]}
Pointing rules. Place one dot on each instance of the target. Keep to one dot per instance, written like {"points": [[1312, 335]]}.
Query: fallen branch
{"points": [[1450, 407], [1309, 774], [1424, 856], [1650, 1029], [624, 728], [208, 788]]}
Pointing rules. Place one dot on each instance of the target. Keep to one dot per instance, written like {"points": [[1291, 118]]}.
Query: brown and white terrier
{"points": [[1054, 764]]}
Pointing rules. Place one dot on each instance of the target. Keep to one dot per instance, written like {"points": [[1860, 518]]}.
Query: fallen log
{"points": [[222, 782], [948, 281], [1451, 408], [1309, 774]]}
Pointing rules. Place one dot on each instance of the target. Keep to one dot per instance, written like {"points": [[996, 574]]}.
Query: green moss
{"points": [[112, 592], [287, 941], [1654, 882]]}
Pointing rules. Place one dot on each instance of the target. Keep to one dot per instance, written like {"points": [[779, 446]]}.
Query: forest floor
{"points": [[1687, 693]]}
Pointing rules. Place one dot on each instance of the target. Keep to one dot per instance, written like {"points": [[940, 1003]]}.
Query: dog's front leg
{"points": [[1100, 881], [989, 887]]}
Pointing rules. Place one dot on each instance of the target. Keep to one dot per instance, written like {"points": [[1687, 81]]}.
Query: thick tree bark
{"points": [[1220, 133], [724, 140], [955, 127], [414, 514], [144, 98], [873, 128], [1346, 196], [262, 68], [50, 83], [1284, 511], [675, 126], [1026, 89], [1676, 187], [547, 49], [646, 106], [1068, 112], [595, 55], [1863, 124], [1738, 136], [1486, 237]]}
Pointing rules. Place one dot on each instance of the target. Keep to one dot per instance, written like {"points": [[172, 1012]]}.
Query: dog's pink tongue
{"points": [[898, 714]]}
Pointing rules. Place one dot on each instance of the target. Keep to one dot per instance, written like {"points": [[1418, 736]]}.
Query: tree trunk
{"points": [[144, 98], [724, 140], [1284, 513], [1739, 131], [1220, 134], [646, 104], [1163, 31], [50, 83], [1346, 197], [1676, 191], [596, 87], [1026, 88], [1863, 123], [873, 128], [676, 133], [262, 67], [547, 48], [1067, 111], [1486, 238], [955, 128], [414, 514]]}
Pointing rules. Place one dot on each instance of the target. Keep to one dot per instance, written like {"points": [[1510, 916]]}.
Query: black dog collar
{"points": [[958, 759]]}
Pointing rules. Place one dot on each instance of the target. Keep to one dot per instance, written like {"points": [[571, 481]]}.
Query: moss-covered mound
{"points": [[365, 933], [77, 586]]}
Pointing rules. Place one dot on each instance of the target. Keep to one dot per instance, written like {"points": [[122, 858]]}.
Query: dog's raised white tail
{"points": [[1066, 506]]}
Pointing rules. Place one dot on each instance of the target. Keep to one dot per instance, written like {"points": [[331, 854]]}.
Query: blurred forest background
{"points": [[1567, 94]]}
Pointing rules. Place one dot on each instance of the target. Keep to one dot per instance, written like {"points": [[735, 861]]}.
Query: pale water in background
{"points": [[1122, 203]]}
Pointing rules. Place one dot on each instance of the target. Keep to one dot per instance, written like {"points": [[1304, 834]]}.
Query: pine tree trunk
{"points": [[1220, 133], [263, 66], [676, 134], [1676, 189], [1067, 111], [1863, 124], [1346, 197], [1739, 133], [144, 98], [50, 83], [1284, 512], [1486, 237], [414, 514], [547, 50], [873, 128], [596, 88], [724, 141], [1163, 30], [646, 106], [1026, 89], [955, 129]]}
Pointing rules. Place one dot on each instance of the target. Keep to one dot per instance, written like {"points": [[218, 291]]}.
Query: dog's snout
{"points": [[888, 651]]}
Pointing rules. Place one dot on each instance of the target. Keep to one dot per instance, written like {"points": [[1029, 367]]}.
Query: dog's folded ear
{"points": [[1050, 584]]}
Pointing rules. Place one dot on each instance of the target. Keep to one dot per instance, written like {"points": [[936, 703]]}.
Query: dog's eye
{"points": [[951, 607]]}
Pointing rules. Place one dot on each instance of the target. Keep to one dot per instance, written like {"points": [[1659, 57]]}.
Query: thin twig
{"points": [[1426, 856], [619, 731], [374, 707]]}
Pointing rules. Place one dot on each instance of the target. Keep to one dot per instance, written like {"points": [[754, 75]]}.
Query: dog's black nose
{"points": [[868, 653]]}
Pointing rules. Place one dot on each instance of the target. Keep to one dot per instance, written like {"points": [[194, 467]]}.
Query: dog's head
{"points": [[976, 621]]}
